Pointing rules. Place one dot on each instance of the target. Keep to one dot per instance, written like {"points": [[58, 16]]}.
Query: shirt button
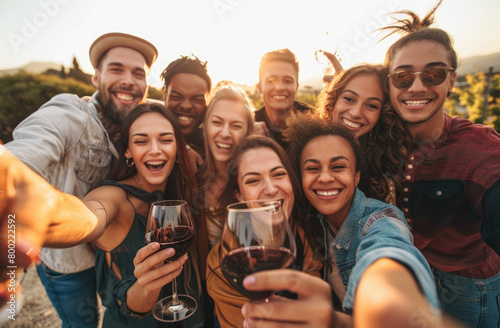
{"points": [[406, 189], [439, 193], [410, 166], [412, 158], [405, 210], [408, 177], [405, 199]]}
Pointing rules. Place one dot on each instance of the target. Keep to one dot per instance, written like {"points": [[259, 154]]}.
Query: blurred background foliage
{"points": [[467, 99], [23, 93]]}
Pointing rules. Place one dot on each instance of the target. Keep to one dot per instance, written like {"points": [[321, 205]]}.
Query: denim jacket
{"points": [[371, 231], [65, 142]]}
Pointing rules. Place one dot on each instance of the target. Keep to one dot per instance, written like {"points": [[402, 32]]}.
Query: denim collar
{"points": [[348, 229]]}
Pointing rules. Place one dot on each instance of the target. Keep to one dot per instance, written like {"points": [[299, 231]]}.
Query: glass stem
{"points": [[175, 300]]}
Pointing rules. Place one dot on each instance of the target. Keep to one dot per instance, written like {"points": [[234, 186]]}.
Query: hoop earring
{"points": [[129, 162]]}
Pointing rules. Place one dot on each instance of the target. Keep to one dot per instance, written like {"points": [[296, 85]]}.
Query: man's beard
{"points": [[110, 111], [114, 114]]}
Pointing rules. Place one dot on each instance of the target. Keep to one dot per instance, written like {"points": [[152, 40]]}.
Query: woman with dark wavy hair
{"points": [[152, 165], [358, 99]]}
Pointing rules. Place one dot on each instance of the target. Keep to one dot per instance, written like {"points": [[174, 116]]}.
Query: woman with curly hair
{"points": [[371, 266], [358, 99]]}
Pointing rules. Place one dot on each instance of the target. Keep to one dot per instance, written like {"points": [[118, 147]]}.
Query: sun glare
{"points": [[232, 35]]}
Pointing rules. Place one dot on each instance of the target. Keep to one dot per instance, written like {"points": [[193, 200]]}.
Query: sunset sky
{"points": [[231, 35]]}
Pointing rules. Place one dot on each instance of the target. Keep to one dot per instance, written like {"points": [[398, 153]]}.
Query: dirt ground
{"points": [[37, 311]]}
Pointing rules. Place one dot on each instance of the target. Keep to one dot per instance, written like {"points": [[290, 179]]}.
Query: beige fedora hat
{"points": [[111, 40]]}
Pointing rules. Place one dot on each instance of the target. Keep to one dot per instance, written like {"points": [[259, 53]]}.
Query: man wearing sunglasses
{"points": [[451, 179]]}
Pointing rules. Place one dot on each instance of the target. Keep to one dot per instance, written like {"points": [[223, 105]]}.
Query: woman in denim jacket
{"points": [[372, 268]]}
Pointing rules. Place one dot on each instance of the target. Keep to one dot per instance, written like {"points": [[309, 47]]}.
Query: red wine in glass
{"points": [[179, 238], [170, 223], [256, 237], [239, 263]]}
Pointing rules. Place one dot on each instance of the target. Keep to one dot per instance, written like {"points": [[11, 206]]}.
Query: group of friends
{"points": [[394, 204]]}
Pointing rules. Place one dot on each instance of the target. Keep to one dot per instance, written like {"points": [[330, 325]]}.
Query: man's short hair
{"points": [[188, 65], [283, 55]]}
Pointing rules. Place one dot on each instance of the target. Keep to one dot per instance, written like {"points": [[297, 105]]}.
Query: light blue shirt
{"points": [[371, 231], [66, 143]]}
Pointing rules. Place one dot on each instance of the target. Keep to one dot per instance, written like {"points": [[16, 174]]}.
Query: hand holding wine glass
{"points": [[256, 237], [171, 225], [312, 308]]}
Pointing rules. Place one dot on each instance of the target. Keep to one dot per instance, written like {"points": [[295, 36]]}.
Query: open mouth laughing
{"points": [[155, 165], [223, 145], [185, 119], [125, 97]]}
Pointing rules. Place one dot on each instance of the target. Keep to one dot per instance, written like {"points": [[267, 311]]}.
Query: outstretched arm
{"points": [[43, 215], [388, 296]]}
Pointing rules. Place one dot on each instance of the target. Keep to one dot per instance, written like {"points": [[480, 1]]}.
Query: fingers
{"points": [[162, 275], [149, 257], [261, 323], [312, 309], [199, 160], [195, 159], [334, 61], [153, 273], [144, 252], [193, 164], [315, 311], [260, 128], [301, 283]]}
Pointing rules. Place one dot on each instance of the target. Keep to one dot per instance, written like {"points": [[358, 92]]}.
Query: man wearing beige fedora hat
{"points": [[69, 142]]}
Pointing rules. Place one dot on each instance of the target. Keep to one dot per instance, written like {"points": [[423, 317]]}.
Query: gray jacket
{"points": [[66, 143]]}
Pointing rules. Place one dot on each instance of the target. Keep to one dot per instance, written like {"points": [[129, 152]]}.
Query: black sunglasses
{"points": [[431, 76]]}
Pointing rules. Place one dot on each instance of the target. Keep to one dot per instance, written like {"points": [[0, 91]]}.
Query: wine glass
{"points": [[171, 225], [256, 237]]}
